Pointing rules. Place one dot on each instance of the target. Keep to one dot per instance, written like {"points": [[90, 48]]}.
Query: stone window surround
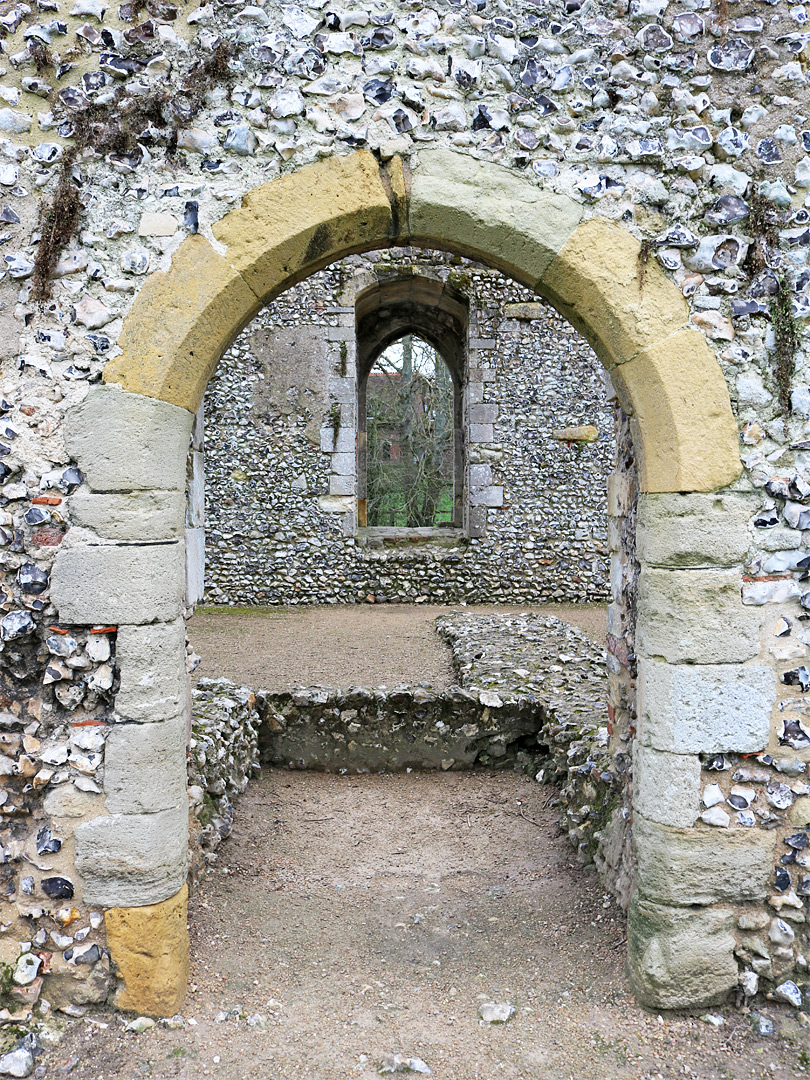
{"points": [[380, 308]]}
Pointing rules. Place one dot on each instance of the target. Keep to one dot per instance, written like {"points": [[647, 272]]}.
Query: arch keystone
{"points": [[683, 427], [150, 948], [600, 285], [296, 224], [179, 326], [487, 212]]}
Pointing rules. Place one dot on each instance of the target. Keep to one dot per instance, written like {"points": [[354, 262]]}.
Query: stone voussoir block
{"points": [[702, 865], [680, 958], [127, 860], [128, 442], [483, 209], [594, 282], [180, 325], [152, 662], [118, 583], [145, 767], [297, 223], [666, 787], [149, 946], [684, 432], [135, 516], [695, 616], [694, 530], [705, 708]]}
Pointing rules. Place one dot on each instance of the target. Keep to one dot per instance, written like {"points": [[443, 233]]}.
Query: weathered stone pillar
{"points": [[125, 566], [702, 691]]}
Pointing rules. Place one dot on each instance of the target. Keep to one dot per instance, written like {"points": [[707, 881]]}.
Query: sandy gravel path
{"points": [[354, 917]]}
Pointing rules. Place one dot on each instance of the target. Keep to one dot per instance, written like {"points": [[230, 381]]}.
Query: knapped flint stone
{"points": [[57, 888]]}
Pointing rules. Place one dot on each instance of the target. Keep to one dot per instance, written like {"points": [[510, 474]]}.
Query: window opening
{"points": [[410, 437]]}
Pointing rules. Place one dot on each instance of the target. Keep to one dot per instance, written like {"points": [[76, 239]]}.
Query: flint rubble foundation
{"points": [[611, 156]]}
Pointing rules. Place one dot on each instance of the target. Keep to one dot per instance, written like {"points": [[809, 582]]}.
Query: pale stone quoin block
{"points": [[694, 530], [132, 859], [152, 662], [145, 767], [695, 616], [128, 442], [705, 708], [666, 787], [115, 583]]}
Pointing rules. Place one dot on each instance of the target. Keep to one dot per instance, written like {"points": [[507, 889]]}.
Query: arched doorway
{"points": [[132, 435]]}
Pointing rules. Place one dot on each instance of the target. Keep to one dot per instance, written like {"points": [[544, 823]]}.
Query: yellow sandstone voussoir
{"points": [[485, 211], [298, 223], [150, 948], [180, 324], [620, 304], [683, 427]]}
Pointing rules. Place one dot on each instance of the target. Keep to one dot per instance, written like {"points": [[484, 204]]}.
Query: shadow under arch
{"points": [[666, 376]]}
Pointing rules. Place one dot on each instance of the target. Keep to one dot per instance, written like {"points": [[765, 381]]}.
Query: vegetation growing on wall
{"points": [[115, 129]]}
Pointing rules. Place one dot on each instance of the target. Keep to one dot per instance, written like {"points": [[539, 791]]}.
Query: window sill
{"points": [[390, 537]]}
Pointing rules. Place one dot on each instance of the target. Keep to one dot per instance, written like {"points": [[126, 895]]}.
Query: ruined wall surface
{"points": [[682, 127], [273, 535]]}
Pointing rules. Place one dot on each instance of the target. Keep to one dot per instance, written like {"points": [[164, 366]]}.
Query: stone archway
{"points": [[130, 437]]}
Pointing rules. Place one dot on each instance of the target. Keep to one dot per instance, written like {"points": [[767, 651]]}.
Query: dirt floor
{"points": [[349, 918], [361, 644]]}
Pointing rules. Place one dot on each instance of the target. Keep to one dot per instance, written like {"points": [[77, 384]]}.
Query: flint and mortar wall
{"points": [[280, 520]]}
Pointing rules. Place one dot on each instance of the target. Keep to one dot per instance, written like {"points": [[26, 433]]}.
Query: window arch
{"points": [[411, 479], [393, 317]]}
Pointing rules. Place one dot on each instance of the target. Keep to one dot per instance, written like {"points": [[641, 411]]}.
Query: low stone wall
{"points": [[223, 753], [365, 729]]}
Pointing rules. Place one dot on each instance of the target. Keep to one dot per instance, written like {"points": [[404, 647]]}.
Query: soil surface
{"points": [[337, 645], [348, 918]]}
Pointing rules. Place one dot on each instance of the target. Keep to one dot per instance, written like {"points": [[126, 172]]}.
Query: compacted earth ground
{"points": [[351, 919], [352, 645]]}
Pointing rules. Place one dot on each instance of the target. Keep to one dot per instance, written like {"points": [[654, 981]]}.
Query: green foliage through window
{"points": [[410, 451]]}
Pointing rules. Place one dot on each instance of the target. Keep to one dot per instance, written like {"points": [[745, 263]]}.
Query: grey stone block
{"points": [[695, 616], [130, 860], [694, 530], [480, 476], [115, 583], [666, 787], [138, 516], [705, 708], [195, 566], [483, 413], [481, 433], [152, 662], [680, 958], [342, 444], [145, 767], [488, 496], [703, 865], [342, 485], [477, 521], [344, 464], [475, 393], [128, 442], [343, 391]]}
